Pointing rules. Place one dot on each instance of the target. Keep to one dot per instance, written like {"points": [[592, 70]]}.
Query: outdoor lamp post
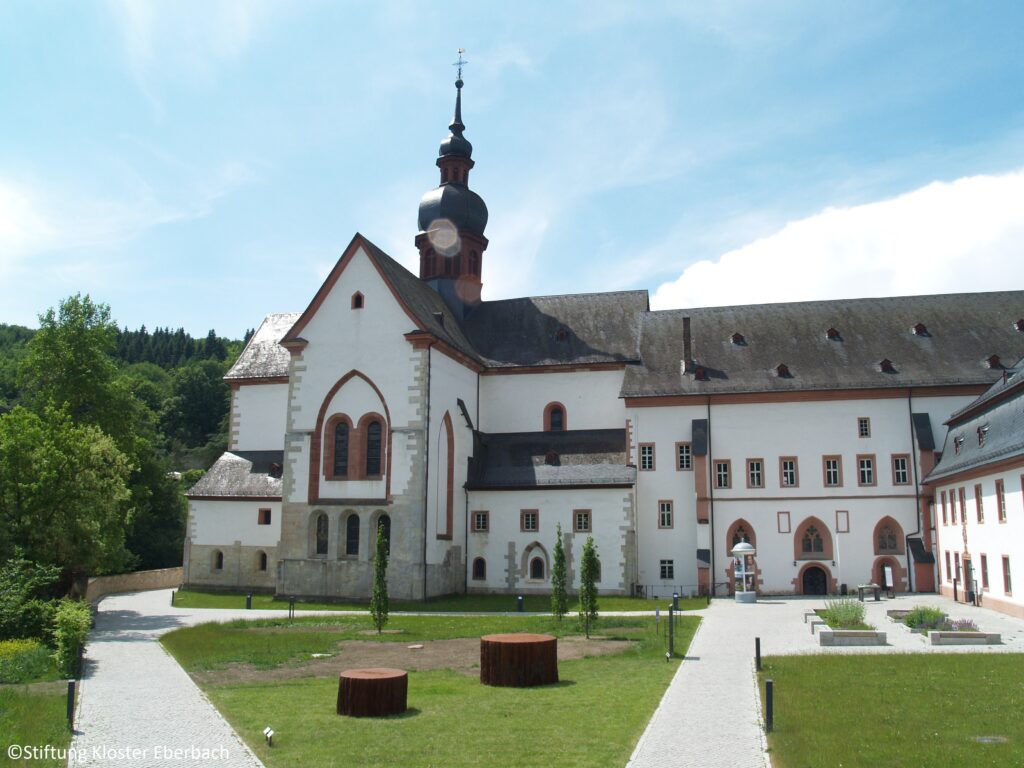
{"points": [[744, 573]]}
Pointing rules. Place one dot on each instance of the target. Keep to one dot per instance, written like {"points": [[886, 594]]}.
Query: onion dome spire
{"points": [[452, 219]]}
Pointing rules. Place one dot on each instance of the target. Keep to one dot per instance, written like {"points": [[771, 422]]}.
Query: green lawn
{"points": [[461, 603], [896, 710], [33, 715], [593, 717]]}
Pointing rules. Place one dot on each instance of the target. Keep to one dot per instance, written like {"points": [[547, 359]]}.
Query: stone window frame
{"points": [[983, 560], [549, 411], [479, 574], [684, 456], [667, 570], [759, 470], [979, 503], [648, 462], [1001, 500], [330, 446], [838, 459], [783, 471], [537, 560], [525, 516], [869, 468], [666, 507], [783, 523], [358, 300], [896, 471], [261, 561], [476, 517], [318, 536], [263, 516], [949, 570], [217, 560], [945, 512], [722, 471], [349, 517], [899, 540], [863, 426], [1007, 577]]}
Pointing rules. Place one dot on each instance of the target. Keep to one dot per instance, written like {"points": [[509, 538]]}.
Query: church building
{"points": [[469, 429]]}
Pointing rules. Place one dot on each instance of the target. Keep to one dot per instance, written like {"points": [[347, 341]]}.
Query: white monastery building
{"points": [[468, 429]]}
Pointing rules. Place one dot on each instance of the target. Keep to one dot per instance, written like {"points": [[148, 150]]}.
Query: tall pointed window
{"points": [[352, 535], [887, 541], [341, 449], [812, 541], [373, 447], [321, 534]]}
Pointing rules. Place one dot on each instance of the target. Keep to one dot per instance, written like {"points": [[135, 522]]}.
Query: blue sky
{"points": [[201, 164]]}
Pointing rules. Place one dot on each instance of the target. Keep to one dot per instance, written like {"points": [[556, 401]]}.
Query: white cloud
{"points": [[965, 235]]}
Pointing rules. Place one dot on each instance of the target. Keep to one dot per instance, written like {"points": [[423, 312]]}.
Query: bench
{"points": [[862, 588]]}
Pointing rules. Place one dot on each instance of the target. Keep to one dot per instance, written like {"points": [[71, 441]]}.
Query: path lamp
{"points": [[744, 572]]}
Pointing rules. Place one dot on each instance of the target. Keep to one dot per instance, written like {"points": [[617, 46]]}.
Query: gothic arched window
{"points": [[479, 569], [373, 449], [321, 534], [887, 541], [537, 568], [352, 535], [341, 449], [812, 541]]}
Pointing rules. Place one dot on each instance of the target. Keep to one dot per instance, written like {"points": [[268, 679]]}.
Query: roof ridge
{"points": [[638, 291]]}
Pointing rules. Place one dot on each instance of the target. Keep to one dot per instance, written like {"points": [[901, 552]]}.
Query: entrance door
{"points": [[815, 582]]}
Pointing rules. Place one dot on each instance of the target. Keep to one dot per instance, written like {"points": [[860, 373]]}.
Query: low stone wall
{"points": [[939, 637], [140, 581], [850, 637]]}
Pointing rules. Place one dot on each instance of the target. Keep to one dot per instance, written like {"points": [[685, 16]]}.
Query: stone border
{"points": [[833, 637], [946, 637]]}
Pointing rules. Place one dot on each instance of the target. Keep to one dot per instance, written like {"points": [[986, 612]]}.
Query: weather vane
{"points": [[460, 62]]}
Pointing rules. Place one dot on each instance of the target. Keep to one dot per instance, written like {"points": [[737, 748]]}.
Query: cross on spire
{"points": [[460, 62]]}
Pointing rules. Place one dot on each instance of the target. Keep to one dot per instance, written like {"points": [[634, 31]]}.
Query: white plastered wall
{"points": [[515, 402], [220, 523], [261, 414]]}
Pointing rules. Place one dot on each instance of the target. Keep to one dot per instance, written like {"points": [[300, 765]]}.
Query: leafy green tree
{"points": [[25, 589], [63, 492], [559, 596], [198, 403], [589, 564], [379, 596]]}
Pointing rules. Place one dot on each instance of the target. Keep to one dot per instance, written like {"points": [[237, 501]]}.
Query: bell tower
{"points": [[452, 219]]}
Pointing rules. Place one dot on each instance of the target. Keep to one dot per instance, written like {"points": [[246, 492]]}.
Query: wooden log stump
{"points": [[519, 660], [372, 692]]}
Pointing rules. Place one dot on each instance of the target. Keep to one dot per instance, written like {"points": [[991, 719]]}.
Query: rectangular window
{"points": [[901, 469], [1007, 585], [529, 520], [956, 566], [481, 521], [963, 505], [842, 521], [755, 473], [945, 520], [664, 513], [782, 518], [668, 569], [984, 572], [948, 571], [1001, 501], [865, 469], [788, 477], [647, 456], [684, 456], [264, 517], [952, 505], [863, 427], [979, 504], [581, 520], [722, 470], [832, 470]]}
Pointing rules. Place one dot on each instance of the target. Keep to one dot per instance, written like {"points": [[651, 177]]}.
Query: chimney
{"points": [[687, 346]]}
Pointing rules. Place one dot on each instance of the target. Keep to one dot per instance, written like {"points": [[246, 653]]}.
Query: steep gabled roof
{"points": [[559, 330], [960, 333], [423, 306], [264, 357], [989, 431]]}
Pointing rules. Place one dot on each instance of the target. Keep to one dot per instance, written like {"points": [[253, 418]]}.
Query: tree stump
{"points": [[372, 692], [519, 660]]}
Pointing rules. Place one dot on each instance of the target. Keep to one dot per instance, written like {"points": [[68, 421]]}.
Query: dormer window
{"points": [[958, 443], [357, 300], [1019, 325], [782, 371], [833, 335], [700, 374], [561, 334], [886, 366], [920, 330], [982, 431], [551, 459], [738, 340], [993, 361]]}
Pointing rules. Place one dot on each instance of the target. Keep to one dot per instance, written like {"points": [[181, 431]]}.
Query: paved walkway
{"points": [[138, 708], [710, 716]]}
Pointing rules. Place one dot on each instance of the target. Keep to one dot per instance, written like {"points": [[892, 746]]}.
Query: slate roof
{"points": [[263, 357], [578, 457], [961, 332], [559, 330], [1000, 413], [242, 474]]}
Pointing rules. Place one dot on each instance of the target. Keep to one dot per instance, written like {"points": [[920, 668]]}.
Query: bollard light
{"points": [[268, 734]]}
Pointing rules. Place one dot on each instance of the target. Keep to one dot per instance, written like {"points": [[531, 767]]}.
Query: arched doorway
{"points": [[814, 581]]}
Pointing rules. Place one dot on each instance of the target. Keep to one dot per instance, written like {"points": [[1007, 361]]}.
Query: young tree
{"points": [[559, 597], [379, 596], [589, 564]]}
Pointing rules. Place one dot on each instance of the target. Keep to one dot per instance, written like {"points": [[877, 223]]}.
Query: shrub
{"points": [[24, 610], [962, 625], [22, 661], [924, 618], [845, 613], [71, 628]]}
